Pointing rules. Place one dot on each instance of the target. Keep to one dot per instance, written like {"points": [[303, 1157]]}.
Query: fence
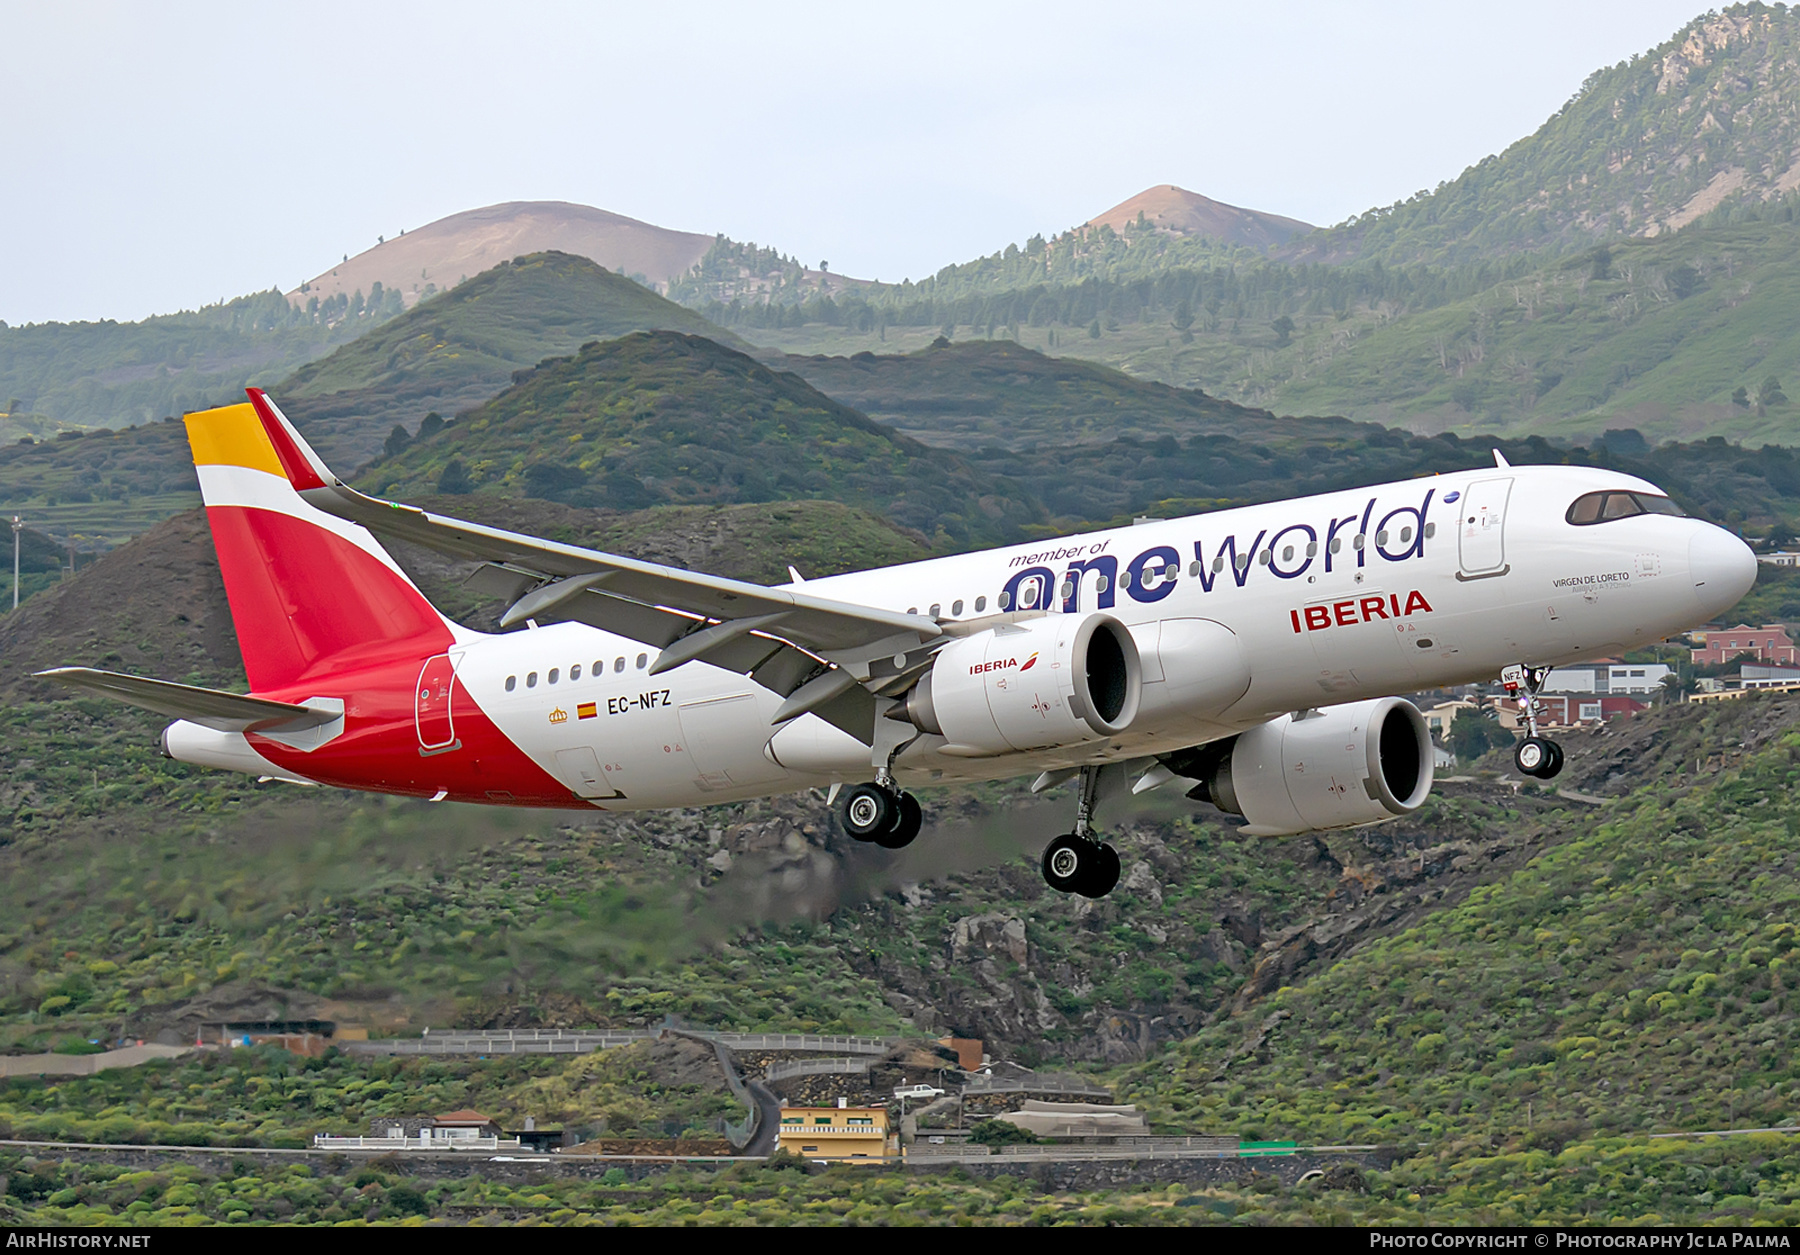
{"points": [[1067, 1085], [516, 1042], [815, 1067], [1124, 1148], [1731, 695], [324, 1141], [557, 1041]]}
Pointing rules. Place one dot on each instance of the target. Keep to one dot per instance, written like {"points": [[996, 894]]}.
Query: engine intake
{"points": [[1055, 681], [1335, 767]]}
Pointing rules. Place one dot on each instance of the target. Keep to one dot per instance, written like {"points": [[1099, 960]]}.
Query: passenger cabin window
{"points": [[980, 604], [643, 660], [531, 679], [554, 673], [619, 663], [955, 608], [1604, 507], [512, 682], [574, 673]]}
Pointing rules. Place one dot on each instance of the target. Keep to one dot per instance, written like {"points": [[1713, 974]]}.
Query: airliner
{"points": [[1252, 654]]}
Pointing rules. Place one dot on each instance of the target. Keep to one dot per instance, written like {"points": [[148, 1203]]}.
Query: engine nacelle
{"points": [[1060, 680], [1335, 767]]}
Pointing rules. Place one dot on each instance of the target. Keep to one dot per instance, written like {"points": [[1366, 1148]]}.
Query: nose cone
{"points": [[1722, 568]]}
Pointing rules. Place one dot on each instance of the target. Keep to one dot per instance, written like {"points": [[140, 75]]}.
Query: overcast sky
{"points": [[158, 157]]}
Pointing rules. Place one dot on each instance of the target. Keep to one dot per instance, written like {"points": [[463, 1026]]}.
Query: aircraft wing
{"points": [[212, 708], [815, 651], [825, 657]]}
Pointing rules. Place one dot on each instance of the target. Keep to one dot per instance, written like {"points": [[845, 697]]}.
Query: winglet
{"points": [[304, 468], [1499, 460]]}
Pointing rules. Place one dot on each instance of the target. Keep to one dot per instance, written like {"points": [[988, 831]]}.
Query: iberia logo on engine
{"points": [[1004, 664], [1354, 610]]}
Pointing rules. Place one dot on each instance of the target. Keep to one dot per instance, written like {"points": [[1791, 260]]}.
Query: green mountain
{"points": [[1676, 336], [445, 354], [1460, 308], [1095, 445], [1706, 120], [456, 351], [978, 393], [663, 417], [1635, 976], [111, 374]]}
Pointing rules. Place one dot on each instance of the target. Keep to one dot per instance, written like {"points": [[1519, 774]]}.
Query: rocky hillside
{"points": [[1705, 121]]}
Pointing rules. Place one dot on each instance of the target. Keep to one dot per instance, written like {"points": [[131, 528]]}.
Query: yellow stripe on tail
{"points": [[232, 435]]}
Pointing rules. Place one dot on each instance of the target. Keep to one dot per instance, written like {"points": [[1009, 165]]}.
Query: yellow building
{"points": [[835, 1132]]}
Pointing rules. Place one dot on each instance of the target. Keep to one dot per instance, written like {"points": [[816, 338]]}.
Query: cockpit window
{"points": [[1604, 507]]}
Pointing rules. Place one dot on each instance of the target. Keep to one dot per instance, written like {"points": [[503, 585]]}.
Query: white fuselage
{"points": [[1239, 616]]}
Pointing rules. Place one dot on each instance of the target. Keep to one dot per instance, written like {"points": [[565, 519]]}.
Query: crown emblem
{"points": [[559, 715]]}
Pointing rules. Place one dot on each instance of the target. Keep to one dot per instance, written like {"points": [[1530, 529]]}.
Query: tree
{"points": [[1741, 398], [1284, 330], [1770, 393], [454, 480], [1094, 329], [1602, 264], [396, 442], [1001, 1133], [1475, 732]]}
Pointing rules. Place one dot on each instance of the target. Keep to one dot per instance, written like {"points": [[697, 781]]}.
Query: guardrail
{"points": [[1044, 1085], [1731, 695], [802, 1041], [815, 1067], [556, 1041], [325, 1141], [1125, 1148]]}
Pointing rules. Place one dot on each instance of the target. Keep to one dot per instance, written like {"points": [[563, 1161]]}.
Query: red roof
{"points": [[461, 1117]]}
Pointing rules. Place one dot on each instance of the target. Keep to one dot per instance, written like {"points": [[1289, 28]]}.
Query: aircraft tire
{"points": [[1554, 767], [1103, 874], [867, 811], [908, 819], [1532, 755], [1068, 861]]}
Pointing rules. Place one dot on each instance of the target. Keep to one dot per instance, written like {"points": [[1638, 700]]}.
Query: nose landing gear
{"points": [[1079, 862], [1536, 755]]}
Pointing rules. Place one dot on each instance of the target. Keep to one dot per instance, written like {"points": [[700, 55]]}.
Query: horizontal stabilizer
{"points": [[210, 708]]}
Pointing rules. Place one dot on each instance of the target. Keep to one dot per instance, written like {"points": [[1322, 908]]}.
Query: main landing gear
{"points": [[1079, 862], [880, 813], [1536, 755]]}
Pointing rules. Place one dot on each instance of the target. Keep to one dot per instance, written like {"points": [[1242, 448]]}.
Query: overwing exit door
{"points": [[1481, 529]]}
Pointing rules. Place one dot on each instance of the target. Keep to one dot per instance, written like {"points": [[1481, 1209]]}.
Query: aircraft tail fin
{"points": [[310, 594]]}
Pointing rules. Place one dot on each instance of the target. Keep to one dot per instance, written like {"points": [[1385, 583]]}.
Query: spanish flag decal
{"points": [[586, 710]]}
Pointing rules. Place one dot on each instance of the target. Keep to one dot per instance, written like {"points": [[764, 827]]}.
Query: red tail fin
{"points": [[310, 594]]}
